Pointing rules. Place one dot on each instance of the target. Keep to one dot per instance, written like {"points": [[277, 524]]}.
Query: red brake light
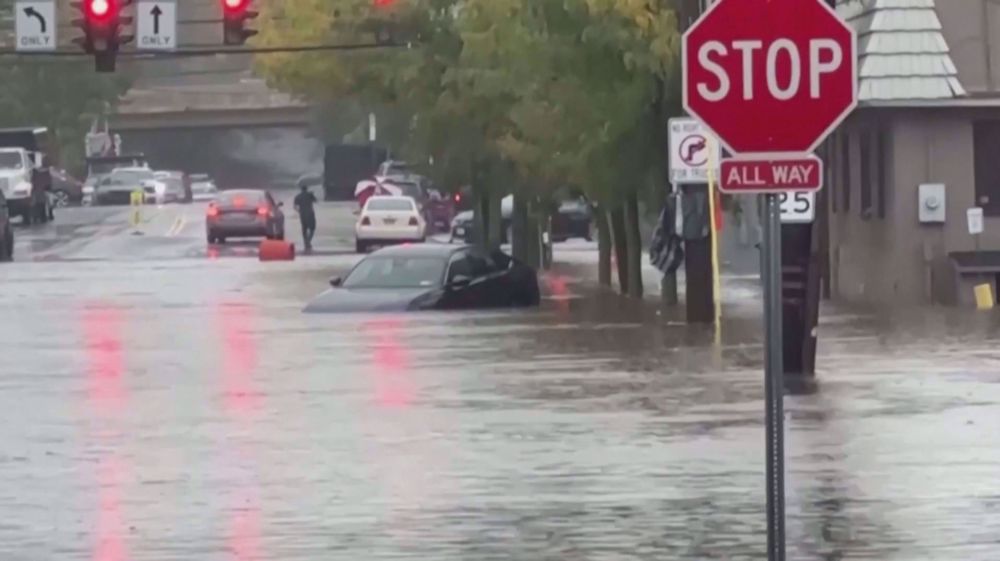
{"points": [[212, 211], [239, 201], [263, 211], [366, 221], [458, 197], [413, 221]]}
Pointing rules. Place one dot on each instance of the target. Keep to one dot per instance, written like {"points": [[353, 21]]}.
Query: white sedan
{"points": [[387, 220]]}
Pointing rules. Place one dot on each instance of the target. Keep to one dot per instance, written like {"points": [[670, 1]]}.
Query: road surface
{"points": [[162, 400]]}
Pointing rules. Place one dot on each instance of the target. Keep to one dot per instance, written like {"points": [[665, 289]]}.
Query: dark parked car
{"points": [[431, 276], [244, 213], [66, 189], [573, 219], [6, 232]]}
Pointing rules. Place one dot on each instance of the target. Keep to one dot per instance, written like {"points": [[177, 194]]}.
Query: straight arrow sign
{"points": [[156, 12], [156, 28]]}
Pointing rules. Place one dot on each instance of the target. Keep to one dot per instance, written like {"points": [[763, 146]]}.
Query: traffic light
{"points": [[235, 14], [101, 23]]}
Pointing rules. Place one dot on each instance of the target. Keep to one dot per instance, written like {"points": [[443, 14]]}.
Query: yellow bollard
{"points": [[135, 201], [984, 296]]}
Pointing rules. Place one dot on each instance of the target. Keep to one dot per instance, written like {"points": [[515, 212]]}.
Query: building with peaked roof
{"points": [[921, 149]]}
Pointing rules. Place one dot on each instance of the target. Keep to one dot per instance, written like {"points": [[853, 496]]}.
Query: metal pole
{"points": [[773, 380]]}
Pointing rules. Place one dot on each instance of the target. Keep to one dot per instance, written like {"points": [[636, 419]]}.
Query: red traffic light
{"points": [[98, 9], [235, 6]]}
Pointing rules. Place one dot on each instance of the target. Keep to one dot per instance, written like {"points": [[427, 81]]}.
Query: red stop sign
{"points": [[770, 76]]}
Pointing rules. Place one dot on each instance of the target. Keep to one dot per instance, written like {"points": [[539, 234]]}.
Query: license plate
{"points": [[459, 231], [389, 220]]}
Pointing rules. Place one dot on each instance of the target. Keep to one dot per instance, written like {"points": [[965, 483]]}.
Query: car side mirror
{"points": [[336, 282], [459, 282]]}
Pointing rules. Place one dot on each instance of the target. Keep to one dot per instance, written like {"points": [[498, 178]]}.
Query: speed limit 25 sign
{"points": [[798, 207]]}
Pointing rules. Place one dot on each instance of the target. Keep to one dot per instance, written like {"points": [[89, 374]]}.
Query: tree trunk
{"points": [[618, 237], [603, 247], [495, 223], [633, 239], [532, 237], [481, 219], [519, 229]]}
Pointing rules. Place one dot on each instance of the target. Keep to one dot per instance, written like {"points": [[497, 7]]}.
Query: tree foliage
{"points": [[552, 92]]}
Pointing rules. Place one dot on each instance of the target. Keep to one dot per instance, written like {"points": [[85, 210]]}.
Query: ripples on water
{"points": [[187, 414]]}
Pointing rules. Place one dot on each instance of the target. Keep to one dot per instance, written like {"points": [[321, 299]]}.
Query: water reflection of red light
{"points": [[391, 361], [239, 357], [558, 287], [110, 532], [245, 533], [102, 328]]}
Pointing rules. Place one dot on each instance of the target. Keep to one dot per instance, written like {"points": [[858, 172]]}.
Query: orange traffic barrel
{"points": [[276, 250]]}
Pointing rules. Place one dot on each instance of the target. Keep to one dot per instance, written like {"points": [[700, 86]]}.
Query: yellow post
{"points": [[135, 200], [984, 296], [716, 278]]}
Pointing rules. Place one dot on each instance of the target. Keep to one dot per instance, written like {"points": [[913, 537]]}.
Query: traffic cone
{"points": [[277, 250]]}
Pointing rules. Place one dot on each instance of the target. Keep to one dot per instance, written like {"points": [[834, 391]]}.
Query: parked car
{"points": [[66, 189], [244, 213], [572, 219], [176, 186], [203, 188], [389, 220], [117, 187], [6, 232], [431, 276]]}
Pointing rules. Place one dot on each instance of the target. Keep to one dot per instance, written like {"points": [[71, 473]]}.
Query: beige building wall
{"points": [[897, 259]]}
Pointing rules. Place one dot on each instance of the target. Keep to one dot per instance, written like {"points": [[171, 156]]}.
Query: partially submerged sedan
{"points": [[431, 276]]}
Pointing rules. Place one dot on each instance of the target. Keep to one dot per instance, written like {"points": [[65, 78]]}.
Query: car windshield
{"points": [[130, 177], [10, 160], [380, 205], [397, 272]]}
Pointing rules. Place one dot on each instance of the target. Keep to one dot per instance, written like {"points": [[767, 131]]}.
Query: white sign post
{"points": [[156, 29], [36, 25], [692, 149]]}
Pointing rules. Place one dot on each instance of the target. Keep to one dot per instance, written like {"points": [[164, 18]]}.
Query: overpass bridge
{"points": [[242, 104]]}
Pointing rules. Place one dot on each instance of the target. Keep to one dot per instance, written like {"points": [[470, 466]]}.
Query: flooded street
{"points": [[162, 402]]}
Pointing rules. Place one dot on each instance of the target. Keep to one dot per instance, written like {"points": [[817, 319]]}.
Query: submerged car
{"points": [[431, 276]]}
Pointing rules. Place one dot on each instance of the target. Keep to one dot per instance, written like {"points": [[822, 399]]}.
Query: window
{"points": [[986, 154], [389, 204], [845, 171], [396, 272], [882, 155], [866, 174]]}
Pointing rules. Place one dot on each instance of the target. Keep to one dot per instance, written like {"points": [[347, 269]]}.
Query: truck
{"points": [[345, 165], [99, 167], [25, 178]]}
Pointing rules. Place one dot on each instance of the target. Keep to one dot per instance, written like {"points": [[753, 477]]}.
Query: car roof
{"points": [[389, 198], [132, 169], [441, 250]]}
